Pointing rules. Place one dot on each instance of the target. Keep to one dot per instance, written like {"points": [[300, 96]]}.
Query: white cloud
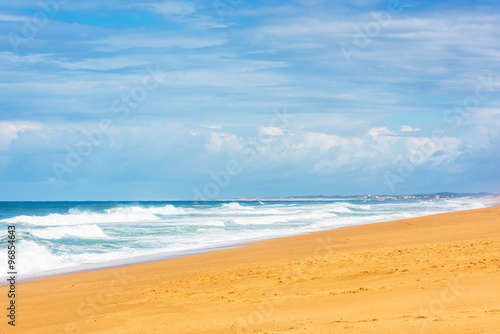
{"points": [[101, 64], [407, 128], [222, 141], [9, 131], [12, 18], [270, 131], [376, 133], [215, 127], [29, 58], [134, 41], [226, 77]]}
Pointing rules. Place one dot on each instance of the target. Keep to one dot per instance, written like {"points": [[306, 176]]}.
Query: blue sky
{"points": [[126, 100]]}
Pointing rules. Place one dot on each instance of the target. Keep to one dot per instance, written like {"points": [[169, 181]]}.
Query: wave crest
{"points": [[80, 232], [113, 215]]}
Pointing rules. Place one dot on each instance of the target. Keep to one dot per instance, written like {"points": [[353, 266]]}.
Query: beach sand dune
{"points": [[434, 274]]}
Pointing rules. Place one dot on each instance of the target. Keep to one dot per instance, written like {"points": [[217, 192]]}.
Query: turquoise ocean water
{"points": [[60, 237]]}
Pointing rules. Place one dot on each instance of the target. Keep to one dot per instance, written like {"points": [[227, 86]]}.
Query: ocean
{"points": [[60, 237]]}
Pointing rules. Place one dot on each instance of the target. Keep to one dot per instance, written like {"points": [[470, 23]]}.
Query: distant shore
{"points": [[360, 198], [430, 274]]}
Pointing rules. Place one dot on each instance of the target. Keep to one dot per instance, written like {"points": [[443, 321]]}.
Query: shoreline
{"points": [[141, 259], [289, 277], [125, 263]]}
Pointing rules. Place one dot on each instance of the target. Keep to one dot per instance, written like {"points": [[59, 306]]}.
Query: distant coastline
{"points": [[443, 195]]}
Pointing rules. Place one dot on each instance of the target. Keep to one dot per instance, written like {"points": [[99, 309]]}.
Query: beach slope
{"points": [[434, 274]]}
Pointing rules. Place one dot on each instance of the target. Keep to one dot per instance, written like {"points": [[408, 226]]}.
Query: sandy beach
{"points": [[434, 274]]}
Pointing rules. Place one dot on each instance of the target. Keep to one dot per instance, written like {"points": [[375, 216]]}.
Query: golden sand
{"points": [[435, 274]]}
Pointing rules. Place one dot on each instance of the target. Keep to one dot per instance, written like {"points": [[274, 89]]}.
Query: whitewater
{"points": [[61, 237]]}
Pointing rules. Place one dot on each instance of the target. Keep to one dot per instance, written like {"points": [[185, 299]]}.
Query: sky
{"points": [[164, 100]]}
